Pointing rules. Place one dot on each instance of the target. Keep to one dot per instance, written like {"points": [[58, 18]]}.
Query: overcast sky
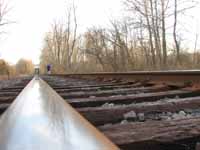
{"points": [[33, 18]]}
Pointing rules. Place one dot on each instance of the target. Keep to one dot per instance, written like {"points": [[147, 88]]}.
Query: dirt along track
{"points": [[142, 110]]}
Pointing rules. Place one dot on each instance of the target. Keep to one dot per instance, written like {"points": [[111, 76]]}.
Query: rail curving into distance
{"points": [[40, 119]]}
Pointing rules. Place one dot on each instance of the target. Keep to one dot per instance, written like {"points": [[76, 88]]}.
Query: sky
{"points": [[33, 18]]}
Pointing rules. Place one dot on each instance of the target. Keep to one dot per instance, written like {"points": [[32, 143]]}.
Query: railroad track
{"points": [[140, 110]]}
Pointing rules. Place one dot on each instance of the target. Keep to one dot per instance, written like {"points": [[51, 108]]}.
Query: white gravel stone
{"points": [[131, 115], [178, 116], [169, 113], [141, 117], [165, 118], [124, 122], [108, 105], [177, 97], [175, 116], [182, 113]]}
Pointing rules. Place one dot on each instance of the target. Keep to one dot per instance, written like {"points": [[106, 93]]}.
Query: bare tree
{"points": [[4, 68], [24, 66], [164, 42], [142, 9], [95, 45], [195, 52], [155, 28], [70, 37], [4, 12], [60, 44], [140, 41], [186, 6]]}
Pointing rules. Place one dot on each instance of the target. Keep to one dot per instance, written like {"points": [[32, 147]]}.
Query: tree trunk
{"points": [[164, 44], [150, 36], [178, 60], [153, 18]]}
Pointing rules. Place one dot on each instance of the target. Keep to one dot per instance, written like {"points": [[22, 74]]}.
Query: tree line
{"points": [[148, 38], [22, 67]]}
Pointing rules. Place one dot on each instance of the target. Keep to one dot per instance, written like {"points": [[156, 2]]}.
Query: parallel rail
{"points": [[173, 76], [137, 110]]}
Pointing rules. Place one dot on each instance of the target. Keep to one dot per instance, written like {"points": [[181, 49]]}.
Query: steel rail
{"points": [[40, 119], [143, 72], [180, 76]]}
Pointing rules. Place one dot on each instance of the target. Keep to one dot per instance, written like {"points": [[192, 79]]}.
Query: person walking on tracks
{"points": [[49, 69]]}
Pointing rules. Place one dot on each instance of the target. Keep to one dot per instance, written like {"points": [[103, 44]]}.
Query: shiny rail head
{"points": [[40, 119]]}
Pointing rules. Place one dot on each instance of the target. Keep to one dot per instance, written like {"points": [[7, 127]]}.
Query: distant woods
{"points": [[148, 38], [23, 67]]}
